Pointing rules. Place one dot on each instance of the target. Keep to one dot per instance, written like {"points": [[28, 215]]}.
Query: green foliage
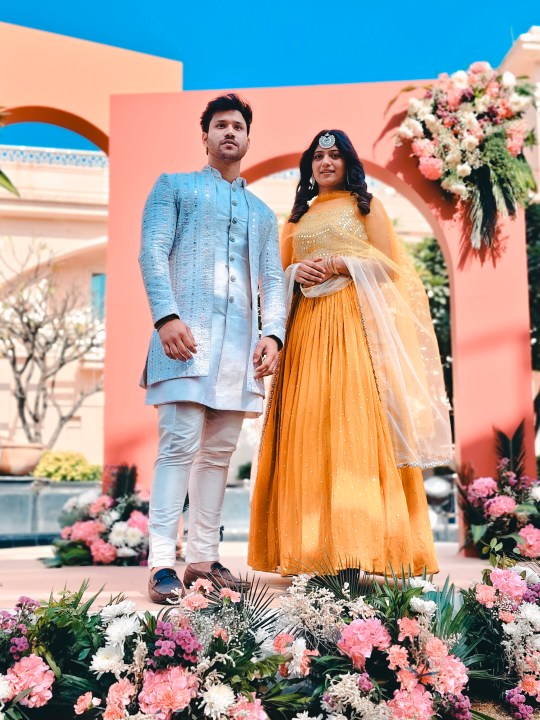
{"points": [[499, 187], [431, 267], [67, 466], [244, 471]]}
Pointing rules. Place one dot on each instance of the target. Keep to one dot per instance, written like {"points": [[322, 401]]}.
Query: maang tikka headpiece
{"points": [[327, 141]]}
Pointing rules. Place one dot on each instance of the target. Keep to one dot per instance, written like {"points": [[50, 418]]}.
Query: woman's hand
{"points": [[312, 272]]}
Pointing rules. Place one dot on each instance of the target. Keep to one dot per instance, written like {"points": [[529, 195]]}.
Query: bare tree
{"points": [[43, 328]]}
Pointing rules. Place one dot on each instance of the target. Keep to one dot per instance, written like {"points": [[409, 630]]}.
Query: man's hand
{"points": [[312, 272], [177, 340], [265, 357]]}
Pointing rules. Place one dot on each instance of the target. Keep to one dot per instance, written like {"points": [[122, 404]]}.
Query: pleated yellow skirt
{"points": [[328, 493]]}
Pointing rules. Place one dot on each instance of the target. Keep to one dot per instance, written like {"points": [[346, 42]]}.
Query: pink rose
{"points": [[431, 167]]}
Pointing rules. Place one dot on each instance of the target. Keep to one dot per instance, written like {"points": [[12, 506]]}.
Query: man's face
{"points": [[227, 139]]}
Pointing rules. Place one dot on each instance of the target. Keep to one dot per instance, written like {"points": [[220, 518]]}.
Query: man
{"points": [[208, 247]]}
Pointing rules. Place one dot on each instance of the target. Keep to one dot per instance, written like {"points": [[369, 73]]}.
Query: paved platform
{"points": [[22, 573]]}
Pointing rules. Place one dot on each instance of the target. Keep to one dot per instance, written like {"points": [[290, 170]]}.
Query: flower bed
{"points": [[105, 529], [336, 648]]}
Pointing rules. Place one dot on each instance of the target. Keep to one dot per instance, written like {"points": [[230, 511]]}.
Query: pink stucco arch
{"points": [[151, 134]]}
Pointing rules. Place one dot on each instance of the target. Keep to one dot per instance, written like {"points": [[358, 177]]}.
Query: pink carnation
{"points": [[167, 691], [103, 502], [232, 595], [397, 657], [87, 531], [219, 632], [31, 672], [102, 552], [281, 641], [202, 585], [415, 704], [408, 628], [500, 505], [361, 637], [479, 68], [245, 709], [506, 617], [509, 584], [486, 595], [531, 535], [118, 698], [436, 650], [138, 520], [431, 167], [195, 601], [407, 679], [84, 703], [530, 685], [452, 676], [482, 487]]}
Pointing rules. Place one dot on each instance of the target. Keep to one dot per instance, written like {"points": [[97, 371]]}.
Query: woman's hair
{"points": [[355, 178]]}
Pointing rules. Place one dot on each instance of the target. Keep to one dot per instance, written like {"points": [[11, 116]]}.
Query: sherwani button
{"points": [[233, 278], [231, 299]]}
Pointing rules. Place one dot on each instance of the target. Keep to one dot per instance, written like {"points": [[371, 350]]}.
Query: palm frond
{"points": [[512, 448]]}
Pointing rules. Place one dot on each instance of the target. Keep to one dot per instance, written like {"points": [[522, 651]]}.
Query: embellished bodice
{"points": [[332, 226]]}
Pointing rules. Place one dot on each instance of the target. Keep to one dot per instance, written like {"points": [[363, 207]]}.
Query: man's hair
{"points": [[224, 103]]}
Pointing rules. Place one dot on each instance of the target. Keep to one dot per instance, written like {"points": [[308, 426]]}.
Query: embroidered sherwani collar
{"points": [[215, 172]]}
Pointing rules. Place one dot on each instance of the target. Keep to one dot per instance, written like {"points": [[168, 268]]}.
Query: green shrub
{"points": [[67, 466]]}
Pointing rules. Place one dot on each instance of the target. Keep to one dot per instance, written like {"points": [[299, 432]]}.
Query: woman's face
{"points": [[329, 168]]}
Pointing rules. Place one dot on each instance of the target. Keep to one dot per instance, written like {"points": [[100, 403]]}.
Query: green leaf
{"points": [[528, 508], [6, 183], [478, 532]]}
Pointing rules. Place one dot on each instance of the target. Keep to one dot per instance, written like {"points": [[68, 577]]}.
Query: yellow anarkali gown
{"points": [[356, 409]]}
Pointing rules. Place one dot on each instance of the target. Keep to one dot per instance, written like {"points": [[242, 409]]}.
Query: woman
{"points": [[358, 404]]}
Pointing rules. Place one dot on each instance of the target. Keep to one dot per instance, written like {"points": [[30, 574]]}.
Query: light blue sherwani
{"points": [[188, 269]]}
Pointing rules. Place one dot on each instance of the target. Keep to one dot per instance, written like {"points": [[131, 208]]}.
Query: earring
{"points": [[312, 181]]}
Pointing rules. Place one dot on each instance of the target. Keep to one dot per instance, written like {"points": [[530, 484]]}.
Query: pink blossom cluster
{"points": [[531, 541], [31, 673], [167, 691], [247, 709], [174, 643], [361, 637], [505, 589]]}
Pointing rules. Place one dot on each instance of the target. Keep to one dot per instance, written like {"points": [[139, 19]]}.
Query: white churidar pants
{"points": [[195, 448]]}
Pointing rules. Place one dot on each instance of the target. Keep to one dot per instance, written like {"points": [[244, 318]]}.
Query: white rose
{"points": [[470, 142], [508, 79], [517, 103], [217, 700], [460, 78], [463, 170]]}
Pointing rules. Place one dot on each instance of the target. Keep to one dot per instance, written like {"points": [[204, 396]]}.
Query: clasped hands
{"points": [[316, 271], [179, 344]]}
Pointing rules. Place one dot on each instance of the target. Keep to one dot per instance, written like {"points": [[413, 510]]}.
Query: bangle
{"points": [[332, 265]]}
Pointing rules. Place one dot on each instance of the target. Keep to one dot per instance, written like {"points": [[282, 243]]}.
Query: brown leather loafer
{"points": [[165, 585], [218, 575]]}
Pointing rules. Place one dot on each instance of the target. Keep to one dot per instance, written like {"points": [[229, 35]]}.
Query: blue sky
{"points": [[243, 43]]}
